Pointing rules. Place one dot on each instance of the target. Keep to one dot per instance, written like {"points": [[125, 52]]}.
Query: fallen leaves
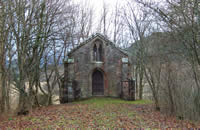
{"points": [[95, 115]]}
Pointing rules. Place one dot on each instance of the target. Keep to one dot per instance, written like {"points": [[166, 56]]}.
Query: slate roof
{"points": [[101, 37]]}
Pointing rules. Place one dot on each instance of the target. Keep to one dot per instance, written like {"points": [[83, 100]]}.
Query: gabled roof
{"points": [[93, 37]]}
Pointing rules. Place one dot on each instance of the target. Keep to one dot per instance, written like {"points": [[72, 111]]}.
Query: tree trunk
{"points": [[141, 83], [136, 82], [2, 77]]}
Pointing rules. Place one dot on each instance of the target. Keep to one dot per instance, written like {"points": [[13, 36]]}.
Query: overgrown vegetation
{"points": [[104, 101], [171, 55], [36, 35], [96, 113]]}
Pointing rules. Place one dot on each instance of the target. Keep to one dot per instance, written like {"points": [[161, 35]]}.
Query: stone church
{"points": [[96, 68]]}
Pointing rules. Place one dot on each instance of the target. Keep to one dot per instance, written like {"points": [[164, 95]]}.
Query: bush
{"points": [[43, 99], [179, 93]]}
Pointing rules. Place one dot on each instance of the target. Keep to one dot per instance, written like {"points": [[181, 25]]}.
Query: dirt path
{"points": [[95, 114]]}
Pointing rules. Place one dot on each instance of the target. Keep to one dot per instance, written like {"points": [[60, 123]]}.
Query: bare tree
{"points": [[5, 54], [52, 58], [3, 36], [85, 20], [74, 25], [105, 20], [31, 26], [181, 19], [119, 33], [138, 24]]}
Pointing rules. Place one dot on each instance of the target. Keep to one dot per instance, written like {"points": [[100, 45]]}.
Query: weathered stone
{"points": [[97, 54]]}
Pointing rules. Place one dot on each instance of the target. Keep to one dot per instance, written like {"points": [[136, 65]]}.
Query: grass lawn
{"points": [[96, 113]]}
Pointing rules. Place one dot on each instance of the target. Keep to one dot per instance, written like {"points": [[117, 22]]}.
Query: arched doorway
{"points": [[97, 83]]}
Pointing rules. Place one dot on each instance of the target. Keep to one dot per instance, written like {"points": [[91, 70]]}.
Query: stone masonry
{"points": [[96, 65]]}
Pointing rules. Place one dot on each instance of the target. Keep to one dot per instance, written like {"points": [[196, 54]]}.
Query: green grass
{"points": [[106, 100], [93, 113]]}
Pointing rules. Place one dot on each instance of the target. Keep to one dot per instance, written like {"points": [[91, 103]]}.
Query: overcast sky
{"points": [[98, 4]]}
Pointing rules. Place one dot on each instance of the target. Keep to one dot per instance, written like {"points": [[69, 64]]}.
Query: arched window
{"points": [[98, 51], [95, 53], [100, 58]]}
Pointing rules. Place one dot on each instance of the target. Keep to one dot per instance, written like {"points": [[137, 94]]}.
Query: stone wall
{"points": [[82, 67]]}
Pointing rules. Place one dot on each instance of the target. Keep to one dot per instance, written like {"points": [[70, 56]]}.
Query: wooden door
{"points": [[97, 83]]}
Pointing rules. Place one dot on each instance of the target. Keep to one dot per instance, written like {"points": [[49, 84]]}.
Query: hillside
{"points": [[96, 113]]}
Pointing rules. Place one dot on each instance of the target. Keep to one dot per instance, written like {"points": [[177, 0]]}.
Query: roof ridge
{"points": [[92, 37]]}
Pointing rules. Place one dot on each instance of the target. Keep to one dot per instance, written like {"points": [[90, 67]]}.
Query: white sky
{"points": [[98, 4]]}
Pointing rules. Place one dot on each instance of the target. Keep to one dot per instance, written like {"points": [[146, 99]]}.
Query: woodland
{"points": [[162, 37]]}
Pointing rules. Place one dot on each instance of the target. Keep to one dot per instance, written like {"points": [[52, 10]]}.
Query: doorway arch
{"points": [[97, 83]]}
